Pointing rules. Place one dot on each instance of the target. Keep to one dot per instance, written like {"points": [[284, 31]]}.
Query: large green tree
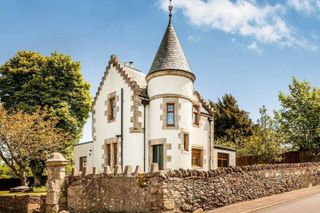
{"points": [[29, 81], [232, 124], [299, 116]]}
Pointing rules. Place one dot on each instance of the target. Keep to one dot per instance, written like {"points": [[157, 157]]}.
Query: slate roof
{"points": [[136, 75], [170, 55]]}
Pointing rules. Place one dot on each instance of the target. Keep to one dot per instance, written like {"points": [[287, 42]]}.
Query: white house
{"points": [[139, 119]]}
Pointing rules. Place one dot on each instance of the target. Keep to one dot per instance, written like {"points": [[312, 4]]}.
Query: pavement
{"points": [[309, 204], [303, 200]]}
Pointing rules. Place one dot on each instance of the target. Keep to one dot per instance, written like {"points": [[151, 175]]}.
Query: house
{"points": [[139, 119]]}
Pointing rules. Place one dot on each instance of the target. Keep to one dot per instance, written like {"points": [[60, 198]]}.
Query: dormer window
{"points": [[170, 114], [195, 115]]}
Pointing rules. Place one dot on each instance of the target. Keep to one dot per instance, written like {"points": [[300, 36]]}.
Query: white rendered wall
{"points": [[200, 138], [178, 85], [170, 84], [133, 142], [232, 157], [81, 150]]}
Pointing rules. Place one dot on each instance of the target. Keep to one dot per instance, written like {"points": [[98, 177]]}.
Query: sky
{"points": [[248, 48]]}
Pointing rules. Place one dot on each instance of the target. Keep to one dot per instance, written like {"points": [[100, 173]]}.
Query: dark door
{"points": [[157, 155]]}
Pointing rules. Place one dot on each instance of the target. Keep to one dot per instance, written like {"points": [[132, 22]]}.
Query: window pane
{"points": [[170, 118], [112, 108], [108, 147], [170, 108], [196, 157], [194, 118], [223, 160], [157, 155], [170, 114], [186, 141], [115, 154], [83, 162], [195, 115]]}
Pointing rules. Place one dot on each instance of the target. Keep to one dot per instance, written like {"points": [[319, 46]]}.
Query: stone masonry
{"points": [[185, 190], [56, 183]]}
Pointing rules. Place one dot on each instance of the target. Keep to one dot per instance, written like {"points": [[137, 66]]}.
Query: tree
{"points": [[231, 123], [30, 80], [5, 171], [25, 137], [299, 116], [267, 141]]}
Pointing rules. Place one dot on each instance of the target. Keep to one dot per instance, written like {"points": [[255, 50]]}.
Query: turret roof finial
{"points": [[170, 10]]}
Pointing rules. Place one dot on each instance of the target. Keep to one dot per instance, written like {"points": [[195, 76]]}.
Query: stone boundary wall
{"points": [[185, 190], [22, 203]]}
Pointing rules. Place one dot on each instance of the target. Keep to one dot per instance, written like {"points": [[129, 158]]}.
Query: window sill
{"points": [[111, 120], [196, 125], [171, 127], [184, 152], [197, 167]]}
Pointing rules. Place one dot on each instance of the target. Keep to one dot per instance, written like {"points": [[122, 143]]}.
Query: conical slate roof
{"points": [[170, 55]]}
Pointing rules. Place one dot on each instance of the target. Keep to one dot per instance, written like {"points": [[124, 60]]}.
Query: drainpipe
{"points": [[144, 102], [121, 131], [210, 142]]}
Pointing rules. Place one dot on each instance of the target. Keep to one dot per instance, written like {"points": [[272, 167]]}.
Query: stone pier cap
{"points": [[56, 159]]}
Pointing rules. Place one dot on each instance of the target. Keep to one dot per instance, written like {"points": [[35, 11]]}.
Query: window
{"points": [[115, 154], [170, 114], [223, 160], [83, 162], [157, 155], [186, 142], [112, 108], [197, 158], [195, 115], [108, 154], [111, 154]]}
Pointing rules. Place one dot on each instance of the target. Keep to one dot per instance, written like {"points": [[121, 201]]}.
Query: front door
{"points": [[157, 155]]}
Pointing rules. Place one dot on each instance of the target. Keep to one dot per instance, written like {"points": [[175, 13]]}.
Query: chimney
{"points": [[128, 64]]}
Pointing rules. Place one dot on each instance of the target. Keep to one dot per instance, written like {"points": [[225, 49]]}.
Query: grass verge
{"points": [[37, 191]]}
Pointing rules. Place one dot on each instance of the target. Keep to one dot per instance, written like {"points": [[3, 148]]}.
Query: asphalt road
{"points": [[309, 204]]}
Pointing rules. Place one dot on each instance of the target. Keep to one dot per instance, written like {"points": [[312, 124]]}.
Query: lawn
{"points": [[37, 191]]}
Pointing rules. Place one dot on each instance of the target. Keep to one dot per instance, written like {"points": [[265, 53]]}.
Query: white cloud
{"points": [[247, 18], [192, 38], [306, 6], [254, 47]]}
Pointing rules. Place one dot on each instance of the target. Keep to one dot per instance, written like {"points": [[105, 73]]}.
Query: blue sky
{"points": [[248, 48]]}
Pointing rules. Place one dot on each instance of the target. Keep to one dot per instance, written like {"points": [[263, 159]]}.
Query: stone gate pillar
{"points": [[56, 173]]}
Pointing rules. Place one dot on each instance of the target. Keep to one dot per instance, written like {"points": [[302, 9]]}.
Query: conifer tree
{"points": [[232, 124]]}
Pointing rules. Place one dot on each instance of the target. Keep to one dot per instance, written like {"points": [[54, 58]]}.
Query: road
{"points": [[309, 204], [305, 200]]}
